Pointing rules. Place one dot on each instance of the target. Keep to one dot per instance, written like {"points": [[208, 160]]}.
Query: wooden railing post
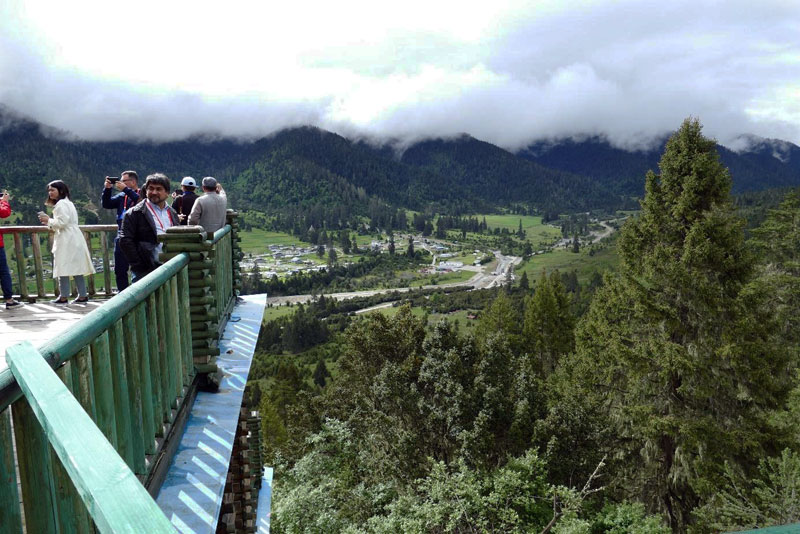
{"points": [[236, 251], [202, 310], [10, 515], [21, 274]]}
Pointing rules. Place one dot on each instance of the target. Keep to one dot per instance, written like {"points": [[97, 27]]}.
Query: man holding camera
{"points": [[182, 202], [128, 186]]}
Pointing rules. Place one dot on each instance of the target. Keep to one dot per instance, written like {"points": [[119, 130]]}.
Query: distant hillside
{"points": [[307, 170], [473, 168], [301, 168], [767, 164]]}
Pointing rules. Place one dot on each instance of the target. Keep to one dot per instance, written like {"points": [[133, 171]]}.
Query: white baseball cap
{"points": [[188, 181]]}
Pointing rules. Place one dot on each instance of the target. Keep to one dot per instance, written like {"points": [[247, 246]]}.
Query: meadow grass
{"points": [[443, 278], [274, 312], [537, 233], [605, 259], [258, 241]]}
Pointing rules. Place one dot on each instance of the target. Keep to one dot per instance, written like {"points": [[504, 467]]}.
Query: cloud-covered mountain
{"points": [[756, 164], [306, 167]]}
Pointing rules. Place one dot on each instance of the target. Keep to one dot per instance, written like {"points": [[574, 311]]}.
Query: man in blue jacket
{"points": [[128, 185]]}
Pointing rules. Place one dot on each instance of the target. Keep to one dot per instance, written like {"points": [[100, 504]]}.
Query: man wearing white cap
{"points": [[184, 201], [209, 211]]}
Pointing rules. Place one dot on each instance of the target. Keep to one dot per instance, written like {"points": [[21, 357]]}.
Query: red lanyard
{"points": [[158, 220]]}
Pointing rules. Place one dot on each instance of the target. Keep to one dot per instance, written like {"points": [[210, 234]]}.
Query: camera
{"points": [[112, 179]]}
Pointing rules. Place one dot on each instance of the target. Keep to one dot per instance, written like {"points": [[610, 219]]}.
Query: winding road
{"points": [[481, 280]]}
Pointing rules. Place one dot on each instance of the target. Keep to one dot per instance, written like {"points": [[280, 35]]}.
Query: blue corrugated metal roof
{"points": [[191, 496]]}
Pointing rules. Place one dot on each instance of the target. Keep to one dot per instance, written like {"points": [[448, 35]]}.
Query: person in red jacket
{"points": [[5, 273]]}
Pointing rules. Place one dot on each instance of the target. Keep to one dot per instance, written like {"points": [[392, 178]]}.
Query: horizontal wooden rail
{"points": [[128, 365], [28, 245], [111, 493], [94, 323]]}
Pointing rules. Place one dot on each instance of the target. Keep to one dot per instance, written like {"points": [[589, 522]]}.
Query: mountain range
{"points": [[304, 167]]}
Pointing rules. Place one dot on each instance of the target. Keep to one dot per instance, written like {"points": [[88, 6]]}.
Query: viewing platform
{"points": [[108, 405], [40, 322]]}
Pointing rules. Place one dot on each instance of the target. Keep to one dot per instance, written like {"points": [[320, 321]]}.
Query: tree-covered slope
{"points": [[767, 163], [475, 168]]}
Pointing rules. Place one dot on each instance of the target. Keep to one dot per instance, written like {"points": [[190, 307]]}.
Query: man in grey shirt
{"points": [[209, 210]]}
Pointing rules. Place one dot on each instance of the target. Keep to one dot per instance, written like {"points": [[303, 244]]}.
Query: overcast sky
{"points": [[505, 72]]}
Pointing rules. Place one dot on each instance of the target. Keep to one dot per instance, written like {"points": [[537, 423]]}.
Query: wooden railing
{"points": [[88, 414], [28, 246], [214, 278]]}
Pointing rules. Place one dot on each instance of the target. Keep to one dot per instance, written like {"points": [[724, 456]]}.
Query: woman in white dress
{"points": [[70, 254]]}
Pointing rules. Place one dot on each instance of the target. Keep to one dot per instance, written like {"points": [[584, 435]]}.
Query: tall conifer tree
{"points": [[672, 347], [548, 327]]}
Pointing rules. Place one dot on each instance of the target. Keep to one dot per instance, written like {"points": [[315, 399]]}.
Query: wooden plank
{"points": [[186, 333], [133, 366], [146, 372], [167, 358], [106, 263], [103, 388], [35, 467], [157, 383], [72, 514], [173, 343], [82, 377], [23, 283], [90, 279], [10, 513], [122, 404], [37, 264], [89, 458]]}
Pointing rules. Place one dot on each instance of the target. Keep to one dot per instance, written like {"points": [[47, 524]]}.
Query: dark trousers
{"points": [[5, 275], [120, 266]]}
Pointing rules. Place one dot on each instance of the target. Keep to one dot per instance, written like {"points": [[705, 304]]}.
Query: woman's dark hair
{"points": [[63, 192]]}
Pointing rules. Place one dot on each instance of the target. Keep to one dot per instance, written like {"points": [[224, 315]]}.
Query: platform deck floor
{"points": [[38, 323]]}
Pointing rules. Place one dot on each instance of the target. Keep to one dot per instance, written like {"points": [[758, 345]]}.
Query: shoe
{"points": [[12, 303], [59, 301], [80, 300]]}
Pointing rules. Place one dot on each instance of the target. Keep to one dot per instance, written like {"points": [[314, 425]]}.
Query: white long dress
{"points": [[70, 253]]}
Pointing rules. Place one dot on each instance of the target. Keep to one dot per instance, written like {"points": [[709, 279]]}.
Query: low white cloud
{"points": [[510, 73]]}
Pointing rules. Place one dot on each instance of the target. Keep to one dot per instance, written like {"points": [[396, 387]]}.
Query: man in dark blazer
{"points": [[143, 223]]}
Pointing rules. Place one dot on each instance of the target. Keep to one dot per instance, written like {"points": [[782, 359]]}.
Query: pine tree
{"points": [[673, 348], [391, 244], [524, 284], [273, 431], [549, 324], [499, 318], [777, 244], [410, 249], [321, 373]]}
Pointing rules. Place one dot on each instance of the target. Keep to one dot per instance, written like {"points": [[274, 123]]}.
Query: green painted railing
{"points": [[31, 261], [129, 364], [86, 414]]}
